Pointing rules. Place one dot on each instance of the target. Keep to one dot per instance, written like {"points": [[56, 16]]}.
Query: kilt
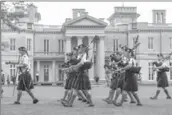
{"points": [[25, 82], [162, 80], [69, 80], [135, 70], [118, 82], [82, 81], [131, 83]]}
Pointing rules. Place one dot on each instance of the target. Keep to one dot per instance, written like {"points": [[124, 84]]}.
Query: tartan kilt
{"points": [[25, 82], [162, 80], [82, 81], [131, 83], [69, 81], [117, 82]]}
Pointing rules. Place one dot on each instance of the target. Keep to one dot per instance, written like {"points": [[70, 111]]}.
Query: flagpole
{"points": [[0, 59]]}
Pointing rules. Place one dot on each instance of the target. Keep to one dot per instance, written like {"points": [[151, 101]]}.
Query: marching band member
{"points": [[82, 81], [115, 58], [162, 80], [107, 68], [25, 81], [68, 80], [131, 84]]}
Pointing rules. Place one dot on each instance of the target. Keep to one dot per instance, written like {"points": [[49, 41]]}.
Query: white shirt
{"points": [[25, 60], [132, 62]]}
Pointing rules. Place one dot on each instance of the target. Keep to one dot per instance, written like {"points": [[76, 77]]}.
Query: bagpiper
{"points": [[25, 82], [82, 81], [131, 84], [115, 58], [162, 81]]}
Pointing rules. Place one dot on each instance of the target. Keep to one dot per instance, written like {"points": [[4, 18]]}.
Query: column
{"points": [[38, 70], [91, 53], [32, 69], [54, 71], [100, 58], [68, 46], [57, 72], [79, 40]]}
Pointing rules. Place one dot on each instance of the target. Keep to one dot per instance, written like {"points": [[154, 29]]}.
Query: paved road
{"points": [[49, 106]]}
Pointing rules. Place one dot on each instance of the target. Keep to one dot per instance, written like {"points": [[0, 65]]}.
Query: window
{"points": [[29, 26], [12, 70], [46, 46], [151, 73], [170, 70], [29, 44], [61, 45], [12, 44], [150, 42], [115, 44], [170, 42], [46, 73]]}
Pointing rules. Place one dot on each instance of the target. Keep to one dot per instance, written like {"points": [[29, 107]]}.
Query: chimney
{"points": [[78, 12], [159, 16]]}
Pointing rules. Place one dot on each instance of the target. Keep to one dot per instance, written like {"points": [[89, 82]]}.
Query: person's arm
{"points": [[24, 63]]}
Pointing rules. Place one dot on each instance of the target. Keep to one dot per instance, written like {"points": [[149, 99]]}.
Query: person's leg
{"points": [[124, 94], [65, 94], [131, 97], [72, 99], [137, 98], [89, 97], [32, 96], [166, 92], [19, 94], [118, 92], [156, 95]]}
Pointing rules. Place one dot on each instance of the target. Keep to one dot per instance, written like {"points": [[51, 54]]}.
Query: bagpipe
{"points": [[86, 65], [159, 67], [131, 51]]}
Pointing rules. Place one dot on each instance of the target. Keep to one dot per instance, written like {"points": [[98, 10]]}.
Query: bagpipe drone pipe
{"points": [[80, 65]]}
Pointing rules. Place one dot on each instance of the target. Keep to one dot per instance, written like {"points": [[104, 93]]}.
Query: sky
{"points": [[55, 13]]}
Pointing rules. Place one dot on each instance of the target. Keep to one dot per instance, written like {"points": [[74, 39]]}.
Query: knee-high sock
{"points": [[88, 95], [85, 95], [81, 94], [124, 94], [19, 94], [157, 93], [130, 95], [69, 95], [118, 92], [166, 92], [31, 94], [111, 95], [73, 97], [136, 97], [65, 94]]}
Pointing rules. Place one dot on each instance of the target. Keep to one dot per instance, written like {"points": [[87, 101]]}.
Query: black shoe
{"points": [[168, 97], [139, 104], [35, 101], [153, 98], [91, 105], [132, 102], [17, 102], [84, 100], [117, 104], [79, 99]]}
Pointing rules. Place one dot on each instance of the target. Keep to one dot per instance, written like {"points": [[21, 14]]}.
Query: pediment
{"points": [[86, 21]]}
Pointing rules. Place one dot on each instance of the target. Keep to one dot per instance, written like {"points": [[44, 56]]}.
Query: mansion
{"points": [[47, 45]]}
